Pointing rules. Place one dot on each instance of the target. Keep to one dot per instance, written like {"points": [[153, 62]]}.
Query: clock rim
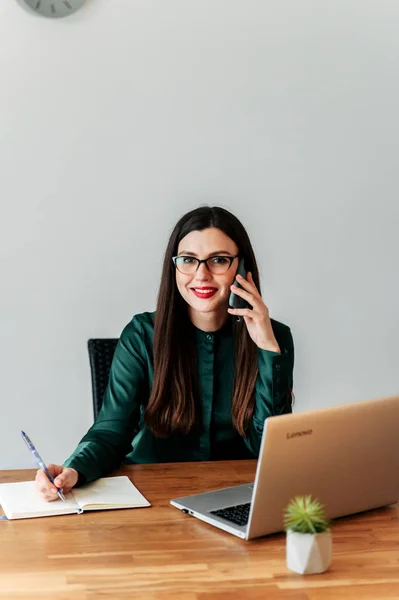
{"points": [[26, 4]]}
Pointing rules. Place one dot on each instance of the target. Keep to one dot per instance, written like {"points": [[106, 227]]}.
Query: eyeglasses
{"points": [[218, 265]]}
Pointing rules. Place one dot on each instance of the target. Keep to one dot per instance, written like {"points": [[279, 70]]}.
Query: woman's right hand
{"points": [[64, 478]]}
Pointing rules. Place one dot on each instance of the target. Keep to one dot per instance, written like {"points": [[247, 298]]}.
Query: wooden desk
{"points": [[159, 553]]}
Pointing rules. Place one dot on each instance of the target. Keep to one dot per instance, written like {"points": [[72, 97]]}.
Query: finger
{"points": [[42, 480], [46, 493], [61, 480], [242, 312], [67, 479], [50, 496], [52, 493], [248, 284], [44, 486], [247, 281], [55, 470], [248, 296], [47, 489], [251, 279]]}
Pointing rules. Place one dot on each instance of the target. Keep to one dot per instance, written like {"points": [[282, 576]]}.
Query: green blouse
{"points": [[119, 434]]}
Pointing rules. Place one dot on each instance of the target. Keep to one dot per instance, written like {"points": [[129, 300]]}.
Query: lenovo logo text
{"points": [[295, 434]]}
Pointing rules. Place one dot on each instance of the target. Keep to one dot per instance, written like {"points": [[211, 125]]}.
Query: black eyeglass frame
{"points": [[204, 260]]}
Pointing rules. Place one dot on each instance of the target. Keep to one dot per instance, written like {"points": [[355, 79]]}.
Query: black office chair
{"points": [[101, 353]]}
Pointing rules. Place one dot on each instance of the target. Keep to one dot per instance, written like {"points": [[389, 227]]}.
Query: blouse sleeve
{"points": [[108, 441], [273, 391]]}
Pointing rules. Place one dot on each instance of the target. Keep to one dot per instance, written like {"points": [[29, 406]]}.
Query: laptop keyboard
{"points": [[236, 514]]}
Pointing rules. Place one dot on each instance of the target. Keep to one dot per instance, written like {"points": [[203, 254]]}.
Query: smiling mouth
{"points": [[204, 292]]}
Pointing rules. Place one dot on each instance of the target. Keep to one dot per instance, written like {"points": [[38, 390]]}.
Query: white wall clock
{"points": [[54, 8]]}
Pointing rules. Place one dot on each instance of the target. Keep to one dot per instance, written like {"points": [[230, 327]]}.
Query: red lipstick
{"points": [[204, 292]]}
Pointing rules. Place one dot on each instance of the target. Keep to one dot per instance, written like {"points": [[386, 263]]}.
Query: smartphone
{"points": [[234, 300]]}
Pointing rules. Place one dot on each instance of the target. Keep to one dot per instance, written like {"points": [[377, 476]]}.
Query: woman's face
{"points": [[206, 292]]}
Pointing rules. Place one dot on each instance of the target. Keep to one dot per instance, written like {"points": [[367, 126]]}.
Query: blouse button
{"points": [[208, 337]]}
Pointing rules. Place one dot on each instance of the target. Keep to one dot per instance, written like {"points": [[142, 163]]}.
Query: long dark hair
{"points": [[174, 405]]}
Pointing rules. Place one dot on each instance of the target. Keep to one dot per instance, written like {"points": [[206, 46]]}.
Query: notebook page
{"points": [[109, 492], [22, 501]]}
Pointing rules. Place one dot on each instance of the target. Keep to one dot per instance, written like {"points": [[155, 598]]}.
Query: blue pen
{"points": [[40, 462]]}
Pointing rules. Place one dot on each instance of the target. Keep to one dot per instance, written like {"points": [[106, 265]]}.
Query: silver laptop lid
{"points": [[346, 456]]}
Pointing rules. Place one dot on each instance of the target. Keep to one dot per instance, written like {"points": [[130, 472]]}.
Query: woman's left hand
{"points": [[257, 320]]}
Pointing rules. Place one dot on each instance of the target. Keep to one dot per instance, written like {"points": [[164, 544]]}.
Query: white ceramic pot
{"points": [[308, 553]]}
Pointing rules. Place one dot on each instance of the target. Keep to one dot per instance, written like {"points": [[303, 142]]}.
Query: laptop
{"points": [[346, 456]]}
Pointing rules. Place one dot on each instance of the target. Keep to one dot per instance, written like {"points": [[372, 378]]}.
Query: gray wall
{"points": [[117, 120]]}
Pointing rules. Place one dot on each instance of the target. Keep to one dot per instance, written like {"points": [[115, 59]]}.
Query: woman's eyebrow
{"points": [[217, 253]]}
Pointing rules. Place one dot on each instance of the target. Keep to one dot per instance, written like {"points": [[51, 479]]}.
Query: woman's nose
{"points": [[203, 272]]}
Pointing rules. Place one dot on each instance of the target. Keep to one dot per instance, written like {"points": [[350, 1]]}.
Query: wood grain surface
{"points": [[159, 552]]}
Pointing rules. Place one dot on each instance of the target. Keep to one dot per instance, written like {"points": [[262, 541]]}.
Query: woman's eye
{"points": [[219, 260], [187, 260]]}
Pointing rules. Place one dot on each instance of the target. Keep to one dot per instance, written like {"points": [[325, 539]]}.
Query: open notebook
{"points": [[22, 501]]}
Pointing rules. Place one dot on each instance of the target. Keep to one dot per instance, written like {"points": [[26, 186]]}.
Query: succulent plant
{"points": [[305, 515]]}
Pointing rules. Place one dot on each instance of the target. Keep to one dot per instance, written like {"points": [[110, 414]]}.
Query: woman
{"points": [[191, 381]]}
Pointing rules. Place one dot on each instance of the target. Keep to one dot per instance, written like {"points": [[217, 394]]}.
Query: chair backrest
{"points": [[101, 353]]}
